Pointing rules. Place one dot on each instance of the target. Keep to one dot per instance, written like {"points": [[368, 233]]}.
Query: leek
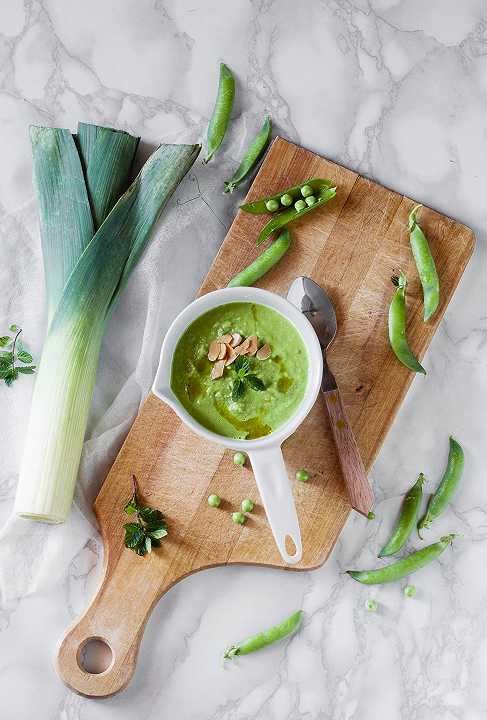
{"points": [[91, 241]]}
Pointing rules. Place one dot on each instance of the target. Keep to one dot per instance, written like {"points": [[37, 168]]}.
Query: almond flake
{"points": [[264, 352], [254, 344], [213, 351], [236, 340], [223, 351], [231, 356], [244, 347], [225, 339], [217, 369]]}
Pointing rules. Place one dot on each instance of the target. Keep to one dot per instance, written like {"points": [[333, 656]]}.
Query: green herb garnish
{"points": [[244, 376], [150, 528], [16, 353]]}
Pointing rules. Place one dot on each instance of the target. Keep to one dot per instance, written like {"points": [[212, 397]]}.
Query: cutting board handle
{"points": [[117, 616]]}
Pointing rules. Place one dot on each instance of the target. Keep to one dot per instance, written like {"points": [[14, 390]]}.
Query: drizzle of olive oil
{"points": [[254, 428]]}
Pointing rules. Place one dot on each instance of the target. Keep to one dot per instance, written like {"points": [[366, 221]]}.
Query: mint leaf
{"points": [[146, 533], [241, 365], [255, 382], [5, 340], [29, 370], [238, 389], [24, 357]]}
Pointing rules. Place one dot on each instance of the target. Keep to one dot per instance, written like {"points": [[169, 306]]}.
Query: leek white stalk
{"points": [[85, 273]]}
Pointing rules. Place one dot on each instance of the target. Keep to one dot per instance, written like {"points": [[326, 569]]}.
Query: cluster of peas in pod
{"points": [[307, 200]]}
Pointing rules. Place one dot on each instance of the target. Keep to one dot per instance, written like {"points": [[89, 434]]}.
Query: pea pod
{"points": [[397, 327], [448, 485], [251, 157], [259, 207], [425, 265], [404, 567], [407, 519], [264, 262], [221, 112], [267, 637], [285, 217]]}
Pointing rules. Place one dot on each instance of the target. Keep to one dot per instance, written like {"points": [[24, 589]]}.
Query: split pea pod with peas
{"points": [[290, 204], [267, 637]]}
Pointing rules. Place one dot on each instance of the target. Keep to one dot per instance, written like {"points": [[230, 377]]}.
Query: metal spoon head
{"points": [[315, 304]]}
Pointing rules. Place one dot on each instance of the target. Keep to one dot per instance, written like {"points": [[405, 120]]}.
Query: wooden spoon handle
{"points": [[359, 490]]}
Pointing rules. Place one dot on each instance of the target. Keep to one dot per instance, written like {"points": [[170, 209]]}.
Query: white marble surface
{"points": [[396, 90]]}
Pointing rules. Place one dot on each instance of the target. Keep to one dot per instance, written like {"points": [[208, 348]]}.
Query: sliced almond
{"points": [[213, 351], [217, 369], [236, 340], [231, 356], [244, 347], [223, 351], [264, 352], [254, 344], [225, 339]]}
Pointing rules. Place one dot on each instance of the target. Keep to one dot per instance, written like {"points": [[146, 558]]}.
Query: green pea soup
{"points": [[256, 412]]}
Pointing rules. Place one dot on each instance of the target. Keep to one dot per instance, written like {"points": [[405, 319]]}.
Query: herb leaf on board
{"points": [[148, 529]]}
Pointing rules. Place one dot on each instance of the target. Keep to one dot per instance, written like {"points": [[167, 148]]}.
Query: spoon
{"points": [[316, 306]]}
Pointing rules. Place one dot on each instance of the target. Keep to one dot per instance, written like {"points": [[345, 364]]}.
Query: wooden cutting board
{"points": [[351, 247]]}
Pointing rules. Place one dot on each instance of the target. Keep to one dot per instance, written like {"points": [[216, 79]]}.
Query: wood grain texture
{"points": [[353, 471], [351, 247]]}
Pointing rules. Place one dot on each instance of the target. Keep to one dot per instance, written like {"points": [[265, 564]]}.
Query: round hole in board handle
{"points": [[290, 546], [95, 656]]}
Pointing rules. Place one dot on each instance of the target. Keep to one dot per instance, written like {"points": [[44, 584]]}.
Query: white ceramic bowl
{"points": [[264, 453]]}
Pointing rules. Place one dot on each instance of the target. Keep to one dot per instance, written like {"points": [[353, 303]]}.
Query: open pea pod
{"points": [[258, 207], [282, 219]]}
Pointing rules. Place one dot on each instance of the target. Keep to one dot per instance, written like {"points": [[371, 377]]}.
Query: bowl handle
{"points": [[277, 497]]}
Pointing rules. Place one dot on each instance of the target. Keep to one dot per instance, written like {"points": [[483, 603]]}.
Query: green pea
{"points": [[302, 475], [371, 515], [239, 458], [264, 262], [300, 205], [247, 505], [410, 591], [239, 518], [371, 605], [251, 157], [310, 200], [214, 500], [272, 205], [221, 112], [306, 191], [286, 199]]}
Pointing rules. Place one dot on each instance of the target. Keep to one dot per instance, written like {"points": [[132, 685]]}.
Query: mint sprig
{"points": [[150, 528], [14, 354], [244, 377]]}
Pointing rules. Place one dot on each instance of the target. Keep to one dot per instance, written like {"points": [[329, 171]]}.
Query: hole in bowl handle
{"points": [[277, 497]]}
